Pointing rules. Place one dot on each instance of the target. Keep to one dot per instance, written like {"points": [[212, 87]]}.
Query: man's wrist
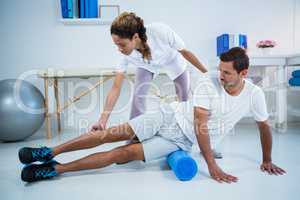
{"points": [[211, 162], [268, 159]]}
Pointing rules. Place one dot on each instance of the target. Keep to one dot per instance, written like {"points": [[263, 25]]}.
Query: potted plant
{"points": [[266, 45]]}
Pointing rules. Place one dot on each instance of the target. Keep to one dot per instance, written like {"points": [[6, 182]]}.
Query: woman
{"points": [[149, 48]]}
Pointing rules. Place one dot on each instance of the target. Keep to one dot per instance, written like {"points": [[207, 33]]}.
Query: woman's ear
{"points": [[135, 36]]}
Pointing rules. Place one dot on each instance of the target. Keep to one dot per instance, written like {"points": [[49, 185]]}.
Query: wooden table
{"points": [[52, 76]]}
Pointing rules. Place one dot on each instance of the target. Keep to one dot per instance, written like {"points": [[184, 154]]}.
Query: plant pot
{"points": [[266, 51]]}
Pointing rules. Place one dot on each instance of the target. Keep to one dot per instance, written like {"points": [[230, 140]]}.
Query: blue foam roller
{"points": [[294, 81], [183, 165], [296, 73]]}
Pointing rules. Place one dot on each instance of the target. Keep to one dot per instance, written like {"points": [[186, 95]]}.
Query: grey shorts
{"points": [[159, 133]]}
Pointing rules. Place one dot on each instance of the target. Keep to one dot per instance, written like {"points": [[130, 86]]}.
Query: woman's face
{"points": [[125, 46]]}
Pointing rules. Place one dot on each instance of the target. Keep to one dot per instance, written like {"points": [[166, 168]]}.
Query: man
{"points": [[224, 103], [215, 108]]}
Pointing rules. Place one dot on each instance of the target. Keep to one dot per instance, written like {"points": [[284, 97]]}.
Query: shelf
{"points": [[293, 111], [294, 60], [293, 88], [85, 21]]}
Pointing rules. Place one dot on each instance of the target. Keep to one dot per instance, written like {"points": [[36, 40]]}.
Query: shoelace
{"points": [[42, 153], [45, 173]]}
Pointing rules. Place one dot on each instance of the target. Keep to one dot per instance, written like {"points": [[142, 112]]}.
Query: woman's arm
{"points": [[111, 99], [189, 56]]}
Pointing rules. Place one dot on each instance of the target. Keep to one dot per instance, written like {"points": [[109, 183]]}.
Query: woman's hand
{"points": [[98, 126]]}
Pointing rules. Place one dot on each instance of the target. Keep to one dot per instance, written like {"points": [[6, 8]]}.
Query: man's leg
{"points": [[96, 138], [91, 139], [48, 170], [98, 160]]}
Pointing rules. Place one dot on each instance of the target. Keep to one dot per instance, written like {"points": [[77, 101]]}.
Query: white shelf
{"points": [[293, 111], [293, 88], [85, 21], [294, 60]]}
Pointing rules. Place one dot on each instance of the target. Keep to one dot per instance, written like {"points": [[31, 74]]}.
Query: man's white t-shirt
{"points": [[164, 44], [225, 110]]}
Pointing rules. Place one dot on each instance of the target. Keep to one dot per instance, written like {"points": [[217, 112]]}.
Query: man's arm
{"points": [[189, 56], [266, 144], [201, 130]]}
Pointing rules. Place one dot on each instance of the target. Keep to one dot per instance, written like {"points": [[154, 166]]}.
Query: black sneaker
{"points": [[28, 155], [38, 172]]}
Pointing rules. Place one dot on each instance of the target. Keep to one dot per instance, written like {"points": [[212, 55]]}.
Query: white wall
{"points": [[31, 35], [297, 26]]}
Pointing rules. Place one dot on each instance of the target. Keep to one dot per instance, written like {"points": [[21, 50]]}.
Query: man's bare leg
{"points": [[98, 160], [96, 138]]}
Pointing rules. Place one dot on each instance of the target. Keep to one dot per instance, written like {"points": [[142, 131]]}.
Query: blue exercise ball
{"points": [[22, 110]]}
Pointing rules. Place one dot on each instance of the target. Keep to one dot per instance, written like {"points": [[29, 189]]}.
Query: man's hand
{"points": [[98, 126], [217, 174], [270, 168]]}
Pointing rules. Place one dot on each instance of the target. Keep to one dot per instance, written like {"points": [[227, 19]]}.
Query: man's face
{"points": [[125, 46], [229, 77]]}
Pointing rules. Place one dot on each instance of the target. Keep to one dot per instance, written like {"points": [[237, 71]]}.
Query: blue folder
{"points": [[222, 44], [93, 8], [81, 8], [64, 8], [67, 8], [296, 73], [70, 8], [294, 81], [86, 8]]}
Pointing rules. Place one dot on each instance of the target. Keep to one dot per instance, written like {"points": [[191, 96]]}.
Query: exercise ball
{"points": [[21, 109]]}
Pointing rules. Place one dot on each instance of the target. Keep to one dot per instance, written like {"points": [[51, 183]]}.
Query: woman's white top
{"points": [[164, 44]]}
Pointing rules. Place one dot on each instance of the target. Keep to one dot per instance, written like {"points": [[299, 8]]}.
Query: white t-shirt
{"points": [[164, 44], [225, 110]]}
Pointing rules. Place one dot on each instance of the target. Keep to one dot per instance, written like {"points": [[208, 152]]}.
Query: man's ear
{"points": [[244, 72]]}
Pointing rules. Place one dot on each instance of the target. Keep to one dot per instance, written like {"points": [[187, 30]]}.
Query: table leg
{"points": [[57, 105], [281, 100], [47, 114]]}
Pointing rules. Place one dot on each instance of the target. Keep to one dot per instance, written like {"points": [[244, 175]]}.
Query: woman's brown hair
{"points": [[126, 25]]}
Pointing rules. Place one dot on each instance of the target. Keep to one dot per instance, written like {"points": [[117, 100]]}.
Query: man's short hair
{"points": [[238, 56]]}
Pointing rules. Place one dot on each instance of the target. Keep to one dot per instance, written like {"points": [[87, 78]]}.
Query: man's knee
{"points": [[115, 134], [129, 152]]}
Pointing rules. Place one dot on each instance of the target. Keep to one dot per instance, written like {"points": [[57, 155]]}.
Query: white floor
{"points": [[242, 156]]}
